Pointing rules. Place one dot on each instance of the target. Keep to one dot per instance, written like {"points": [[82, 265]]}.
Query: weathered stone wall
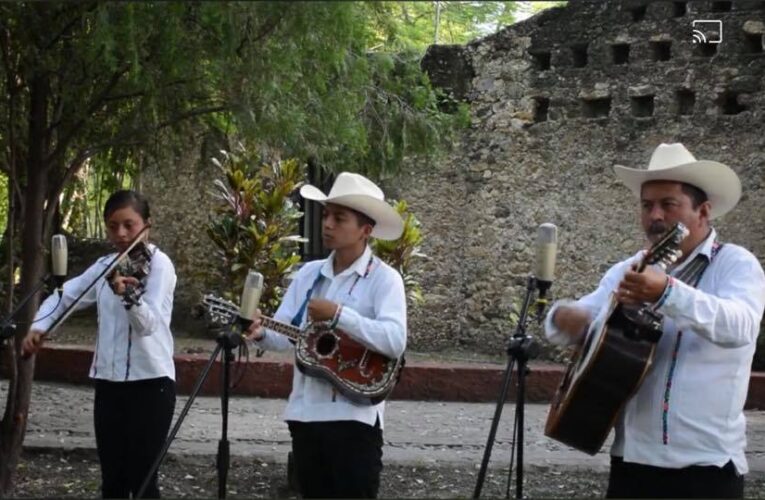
{"points": [[179, 189], [556, 101]]}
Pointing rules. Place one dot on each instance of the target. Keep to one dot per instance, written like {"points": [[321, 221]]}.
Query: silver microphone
{"points": [[547, 246], [253, 288], [59, 260]]}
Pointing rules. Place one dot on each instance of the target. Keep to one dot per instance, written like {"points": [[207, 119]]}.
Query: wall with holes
{"points": [[556, 101]]}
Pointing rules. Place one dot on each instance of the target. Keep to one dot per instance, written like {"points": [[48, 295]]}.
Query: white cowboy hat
{"points": [[359, 193], [673, 162]]}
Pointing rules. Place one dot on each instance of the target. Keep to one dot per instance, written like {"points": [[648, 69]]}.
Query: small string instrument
{"points": [[360, 374], [136, 264]]}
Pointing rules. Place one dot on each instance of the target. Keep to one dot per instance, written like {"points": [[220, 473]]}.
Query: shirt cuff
{"points": [[552, 332], [347, 319], [675, 298]]}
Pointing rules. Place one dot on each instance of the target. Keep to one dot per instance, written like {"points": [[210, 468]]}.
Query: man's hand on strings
{"points": [[640, 288], [322, 310]]}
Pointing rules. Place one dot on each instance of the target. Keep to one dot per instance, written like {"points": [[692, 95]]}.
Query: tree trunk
{"points": [[14, 423]]}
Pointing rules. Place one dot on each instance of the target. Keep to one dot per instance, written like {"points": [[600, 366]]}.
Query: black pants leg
{"points": [[131, 421], [110, 409], [630, 480], [149, 425], [341, 459]]}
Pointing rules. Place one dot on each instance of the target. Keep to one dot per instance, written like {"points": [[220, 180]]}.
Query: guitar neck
{"points": [[290, 331]]}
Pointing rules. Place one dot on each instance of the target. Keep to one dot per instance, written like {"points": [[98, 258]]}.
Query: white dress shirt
{"points": [[132, 344], [703, 421], [374, 314]]}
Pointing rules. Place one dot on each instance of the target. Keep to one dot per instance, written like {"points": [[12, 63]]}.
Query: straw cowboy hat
{"points": [[672, 162], [359, 193]]}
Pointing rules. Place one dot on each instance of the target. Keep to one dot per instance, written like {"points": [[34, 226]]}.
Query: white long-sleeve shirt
{"points": [[374, 314], [133, 344], [692, 413]]}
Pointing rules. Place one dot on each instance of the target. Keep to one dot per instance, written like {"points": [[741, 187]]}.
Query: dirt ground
{"points": [[76, 474]]}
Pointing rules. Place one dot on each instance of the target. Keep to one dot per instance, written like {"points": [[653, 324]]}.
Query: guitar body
{"points": [[361, 375], [609, 367], [602, 376]]}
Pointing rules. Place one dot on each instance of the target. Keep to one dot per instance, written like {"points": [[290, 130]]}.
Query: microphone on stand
{"points": [[546, 248], [59, 260], [253, 288]]}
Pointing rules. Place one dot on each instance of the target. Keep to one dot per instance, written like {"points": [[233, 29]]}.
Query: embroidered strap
{"points": [[691, 275]]}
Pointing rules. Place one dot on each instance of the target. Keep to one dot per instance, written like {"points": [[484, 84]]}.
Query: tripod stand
{"points": [[522, 348], [226, 341]]}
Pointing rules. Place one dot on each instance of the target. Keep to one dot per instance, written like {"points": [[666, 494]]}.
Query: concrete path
{"points": [[61, 416]]}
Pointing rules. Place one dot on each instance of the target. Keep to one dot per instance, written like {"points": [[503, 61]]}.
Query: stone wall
{"points": [[556, 101]]}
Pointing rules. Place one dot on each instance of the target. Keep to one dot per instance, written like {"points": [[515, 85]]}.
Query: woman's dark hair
{"points": [[127, 198]]}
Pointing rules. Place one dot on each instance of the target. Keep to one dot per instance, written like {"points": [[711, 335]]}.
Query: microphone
{"points": [[253, 287], [547, 242], [59, 260]]}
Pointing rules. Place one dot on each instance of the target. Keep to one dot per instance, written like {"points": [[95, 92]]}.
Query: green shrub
{"points": [[255, 223], [403, 252]]}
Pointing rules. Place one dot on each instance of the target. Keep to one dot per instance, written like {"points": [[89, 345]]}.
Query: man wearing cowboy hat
{"points": [[683, 433], [336, 443]]}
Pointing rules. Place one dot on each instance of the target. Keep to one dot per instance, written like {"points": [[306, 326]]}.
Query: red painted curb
{"points": [[272, 379]]}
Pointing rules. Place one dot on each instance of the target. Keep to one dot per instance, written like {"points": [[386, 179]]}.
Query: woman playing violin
{"points": [[133, 360]]}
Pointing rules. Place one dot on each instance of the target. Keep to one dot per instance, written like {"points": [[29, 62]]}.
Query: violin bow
{"points": [[113, 264]]}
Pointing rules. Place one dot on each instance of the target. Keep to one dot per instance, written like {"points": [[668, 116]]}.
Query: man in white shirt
{"points": [[336, 442], [683, 433]]}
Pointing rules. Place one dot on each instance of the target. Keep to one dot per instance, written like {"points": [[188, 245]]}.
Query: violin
{"points": [[139, 265], [136, 264]]}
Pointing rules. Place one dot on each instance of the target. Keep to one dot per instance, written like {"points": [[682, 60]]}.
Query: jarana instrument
{"points": [[360, 374]]}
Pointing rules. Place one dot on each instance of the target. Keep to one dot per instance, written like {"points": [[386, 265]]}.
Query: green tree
{"points": [[414, 26], [104, 84]]}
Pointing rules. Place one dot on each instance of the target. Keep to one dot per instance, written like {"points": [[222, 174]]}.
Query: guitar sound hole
{"points": [[325, 344]]}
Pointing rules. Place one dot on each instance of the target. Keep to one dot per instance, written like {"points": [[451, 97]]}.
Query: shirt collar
{"points": [[359, 266], [704, 248]]}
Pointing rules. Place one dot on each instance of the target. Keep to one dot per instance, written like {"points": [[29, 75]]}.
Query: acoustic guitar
{"points": [[607, 369], [360, 374]]}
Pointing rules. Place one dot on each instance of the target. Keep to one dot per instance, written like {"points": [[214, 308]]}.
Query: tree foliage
{"points": [[398, 26], [102, 85]]}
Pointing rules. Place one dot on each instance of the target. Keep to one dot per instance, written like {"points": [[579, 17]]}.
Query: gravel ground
{"points": [[75, 474]]}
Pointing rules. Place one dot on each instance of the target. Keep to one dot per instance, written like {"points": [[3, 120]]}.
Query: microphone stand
{"points": [[227, 341], [521, 348], [8, 327]]}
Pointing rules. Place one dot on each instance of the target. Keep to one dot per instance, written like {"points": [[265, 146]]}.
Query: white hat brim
{"points": [[720, 183], [388, 223]]}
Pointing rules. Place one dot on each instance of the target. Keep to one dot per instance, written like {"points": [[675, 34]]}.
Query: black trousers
{"points": [[339, 459], [131, 421], [630, 480]]}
